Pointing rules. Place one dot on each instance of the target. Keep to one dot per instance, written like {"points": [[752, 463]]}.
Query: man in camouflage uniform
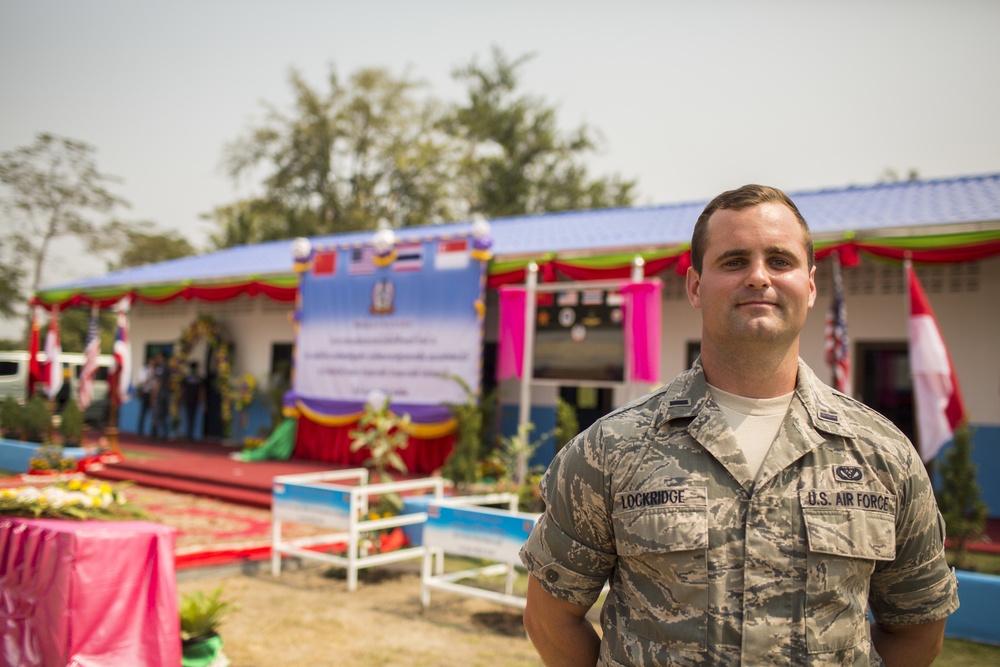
{"points": [[737, 535]]}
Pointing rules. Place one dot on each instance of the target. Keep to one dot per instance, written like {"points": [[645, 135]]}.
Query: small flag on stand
{"points": [[938, 400], [53, 352], [91, 348], [837, 344]]}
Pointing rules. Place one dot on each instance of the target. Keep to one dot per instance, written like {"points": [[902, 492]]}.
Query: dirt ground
{"points": [[305, 617]]}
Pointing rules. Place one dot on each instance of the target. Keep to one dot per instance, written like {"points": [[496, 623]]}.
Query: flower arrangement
{"points": [[49, 460], [245, 391], [208, 329], [75, 499]]}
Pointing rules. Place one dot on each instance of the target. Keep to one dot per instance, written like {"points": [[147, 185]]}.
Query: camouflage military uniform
{"points": [[708, 566]]}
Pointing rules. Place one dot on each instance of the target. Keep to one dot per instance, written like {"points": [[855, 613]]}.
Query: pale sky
{"points": [[692, 98]]}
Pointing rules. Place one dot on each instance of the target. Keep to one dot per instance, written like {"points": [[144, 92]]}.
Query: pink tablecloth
{"points": [[87, 594]]}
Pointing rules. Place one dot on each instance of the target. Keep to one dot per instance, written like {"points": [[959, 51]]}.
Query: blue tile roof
{"points": [[831, 212]]}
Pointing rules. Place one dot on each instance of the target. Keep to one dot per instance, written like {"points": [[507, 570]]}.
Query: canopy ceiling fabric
{"points": [[946, 220]]}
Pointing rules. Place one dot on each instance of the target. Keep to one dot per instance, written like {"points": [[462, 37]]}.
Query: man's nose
{"points": [[757, 275]]}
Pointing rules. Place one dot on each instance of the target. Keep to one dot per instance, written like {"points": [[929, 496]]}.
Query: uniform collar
{"points": [[688, 394]]}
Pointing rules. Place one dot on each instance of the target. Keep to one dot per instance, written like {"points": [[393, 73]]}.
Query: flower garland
{"points": [[208, 329], [75, 499], [245, 391]]}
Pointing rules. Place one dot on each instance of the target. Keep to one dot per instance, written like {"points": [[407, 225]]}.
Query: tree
{"points": [[517, 160], [50, 190], [958, 498], [11, 275], [370, 149], [142, 243], [364, 151]]}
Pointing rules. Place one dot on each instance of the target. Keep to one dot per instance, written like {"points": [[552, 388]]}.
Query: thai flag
{"points": [[91, 348], [409, 257], [123, 360], [837, 344], [939, 405]]}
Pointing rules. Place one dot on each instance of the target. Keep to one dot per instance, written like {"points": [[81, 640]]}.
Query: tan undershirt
{"points": [[755, 421]]}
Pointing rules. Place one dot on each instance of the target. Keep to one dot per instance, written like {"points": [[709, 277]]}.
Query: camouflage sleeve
{"points": [[571, 549], [917, 586]]}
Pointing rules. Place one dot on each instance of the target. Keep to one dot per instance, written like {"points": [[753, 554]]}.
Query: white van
{"points": [[14, 379]]}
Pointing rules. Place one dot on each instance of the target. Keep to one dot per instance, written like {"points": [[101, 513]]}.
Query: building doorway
{"points": [[882, 381]]}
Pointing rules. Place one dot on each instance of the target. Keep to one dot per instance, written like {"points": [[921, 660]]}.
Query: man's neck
{"points": [[752, 374]]}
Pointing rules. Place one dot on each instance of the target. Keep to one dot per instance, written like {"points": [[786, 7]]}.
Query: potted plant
{"points": [[71, 425], [11, 417], [37, 420], [201, 615]]}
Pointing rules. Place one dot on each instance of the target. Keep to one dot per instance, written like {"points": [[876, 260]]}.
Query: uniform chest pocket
{"points": [[843, 545], [662, 575]]}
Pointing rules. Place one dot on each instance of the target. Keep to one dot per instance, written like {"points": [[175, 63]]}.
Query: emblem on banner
{"points": [[383, 297]]}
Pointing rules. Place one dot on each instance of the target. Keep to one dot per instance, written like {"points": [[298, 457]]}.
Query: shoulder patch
{"points": [[848, 473]]}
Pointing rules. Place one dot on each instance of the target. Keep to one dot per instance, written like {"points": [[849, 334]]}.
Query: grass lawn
{"points": [[960, 653]]}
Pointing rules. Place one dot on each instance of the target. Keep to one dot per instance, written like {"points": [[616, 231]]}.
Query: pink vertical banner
{"points": [[510, 344], [641, 311]]}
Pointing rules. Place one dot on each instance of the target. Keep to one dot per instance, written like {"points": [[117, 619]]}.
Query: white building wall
{"points": [[252, 325], [965, 299]]}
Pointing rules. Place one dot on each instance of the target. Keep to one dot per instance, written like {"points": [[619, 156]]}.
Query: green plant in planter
{"points": [[37, 420], [462, 467], [71, 426], [201, 615], [11, 417], [384, 434]]}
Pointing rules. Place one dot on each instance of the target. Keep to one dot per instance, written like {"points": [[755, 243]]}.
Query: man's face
{"points": [[755, 282]]}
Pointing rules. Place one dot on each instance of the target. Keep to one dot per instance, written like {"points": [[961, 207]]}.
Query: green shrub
{"points": [[71, 426], [37, 420], [11, 417]]}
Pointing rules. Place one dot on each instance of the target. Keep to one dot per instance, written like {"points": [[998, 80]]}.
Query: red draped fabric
{"points": [[316, 442]]}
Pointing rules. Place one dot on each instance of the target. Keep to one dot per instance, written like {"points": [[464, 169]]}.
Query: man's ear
{"points": [[693, 285]]}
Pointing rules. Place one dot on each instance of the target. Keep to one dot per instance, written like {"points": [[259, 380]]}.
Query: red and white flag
{"points": [[34, 363], [122, 351], [53, 350], [939, 404]]}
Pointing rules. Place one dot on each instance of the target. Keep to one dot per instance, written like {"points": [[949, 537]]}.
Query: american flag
{"points": [[837, 343], [91, 348], [123, 359]]}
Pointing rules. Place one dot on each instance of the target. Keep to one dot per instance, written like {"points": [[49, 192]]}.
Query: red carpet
{"points": [[202, 468]]}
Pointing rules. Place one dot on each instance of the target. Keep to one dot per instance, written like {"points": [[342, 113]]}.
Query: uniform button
{"points": [[552, 576]]}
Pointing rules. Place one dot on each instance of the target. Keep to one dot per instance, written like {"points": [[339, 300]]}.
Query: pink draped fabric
{"points": [[87, 593], [316, 442], [641, 312], [510, 346]]}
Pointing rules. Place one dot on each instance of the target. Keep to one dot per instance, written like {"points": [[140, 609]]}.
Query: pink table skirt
{"points": [[87, 594]]}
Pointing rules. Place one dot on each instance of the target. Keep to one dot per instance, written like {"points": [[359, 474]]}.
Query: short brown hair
{"points": [[737, 200]]}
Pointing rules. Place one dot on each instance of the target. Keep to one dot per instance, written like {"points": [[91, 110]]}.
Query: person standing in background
{"points": [[192, 392], [146, 384]]}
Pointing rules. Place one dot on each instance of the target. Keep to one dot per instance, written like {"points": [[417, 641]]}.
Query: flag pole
{"points": [[907, 314]]}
